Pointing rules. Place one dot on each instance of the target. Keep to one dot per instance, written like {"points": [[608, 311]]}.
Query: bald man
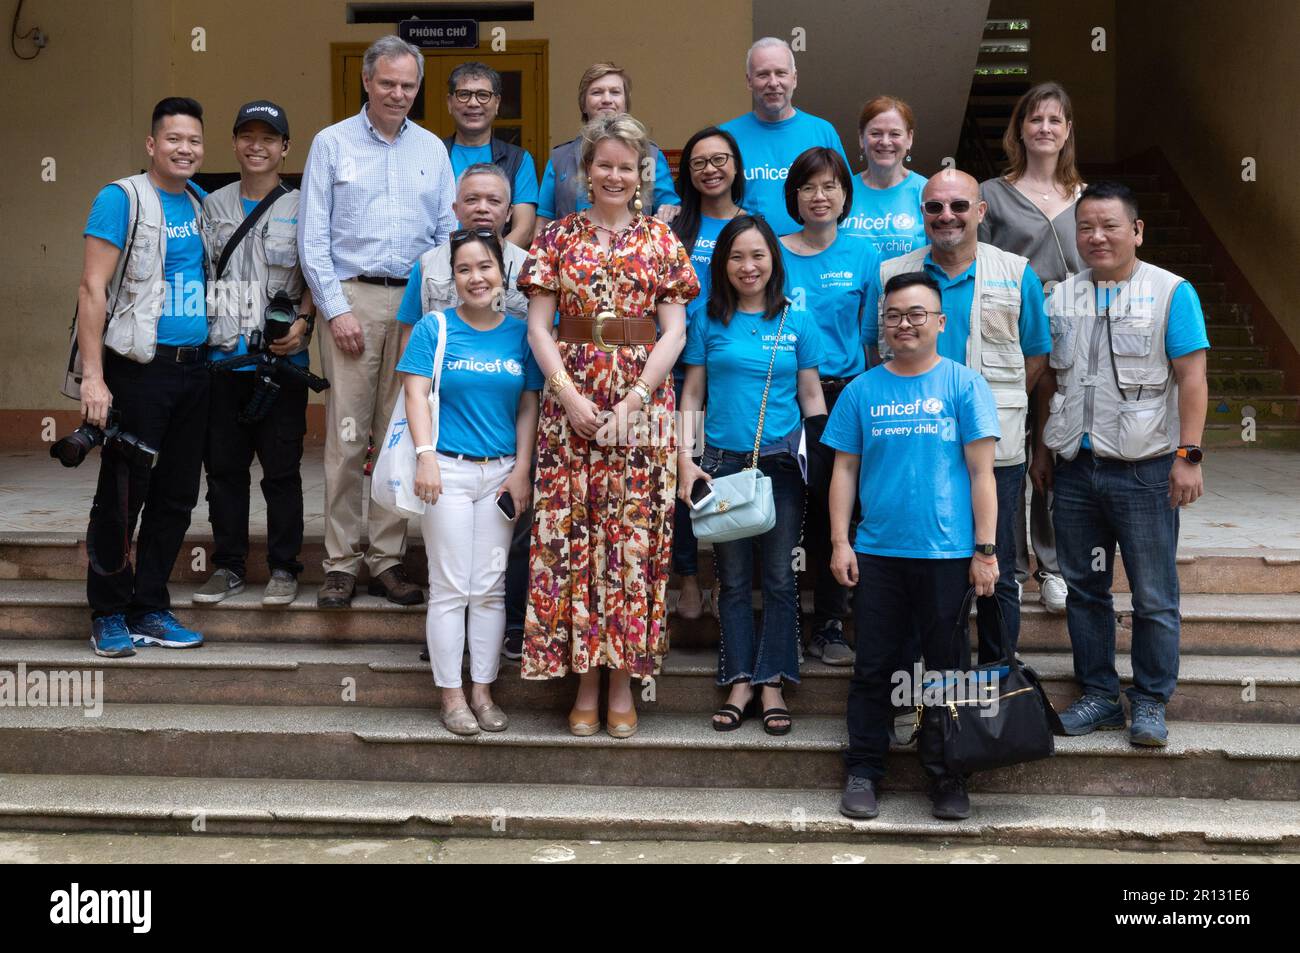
{"points": [[996, 324]]}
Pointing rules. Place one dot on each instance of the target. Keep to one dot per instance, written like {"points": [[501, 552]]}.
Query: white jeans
{"points": [[467, 541]]}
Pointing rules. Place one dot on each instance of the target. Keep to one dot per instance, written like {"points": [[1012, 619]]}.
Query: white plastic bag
{"points": [[392, 482]]}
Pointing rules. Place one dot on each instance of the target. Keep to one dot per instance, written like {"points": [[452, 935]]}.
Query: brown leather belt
{"points": [[608, 331]]}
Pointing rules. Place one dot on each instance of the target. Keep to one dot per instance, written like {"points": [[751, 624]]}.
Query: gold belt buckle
{"points": [[595, 331]]}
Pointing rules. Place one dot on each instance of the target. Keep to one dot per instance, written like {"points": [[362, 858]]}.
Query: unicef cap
{"points": [[263, 110]]}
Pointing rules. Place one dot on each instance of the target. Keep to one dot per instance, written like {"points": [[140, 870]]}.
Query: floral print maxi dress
{"points": [[602, 519]]}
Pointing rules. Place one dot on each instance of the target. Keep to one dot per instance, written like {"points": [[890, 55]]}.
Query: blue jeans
{"points": [[774, 653], [1097, 504], [686, 553], [1011, 505]]}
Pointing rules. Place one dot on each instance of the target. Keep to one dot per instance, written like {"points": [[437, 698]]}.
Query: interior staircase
{"points": [[296, 721]]}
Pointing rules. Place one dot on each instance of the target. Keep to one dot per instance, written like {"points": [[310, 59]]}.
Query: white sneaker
{"points": [[1053, 590]]}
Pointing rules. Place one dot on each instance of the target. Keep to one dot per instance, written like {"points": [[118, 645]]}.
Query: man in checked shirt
{"points": [[376, 194]]}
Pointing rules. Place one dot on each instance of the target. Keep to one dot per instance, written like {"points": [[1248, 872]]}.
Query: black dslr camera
{"points": [[278, 318], [72, 449]]}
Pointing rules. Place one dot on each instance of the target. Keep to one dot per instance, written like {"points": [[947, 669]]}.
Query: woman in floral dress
{"points": [[606, 454]]}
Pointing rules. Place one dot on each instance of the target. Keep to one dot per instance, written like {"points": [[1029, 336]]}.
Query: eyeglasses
{"points": [[830, 190], [717, 160], [916, 317], [481, 96], [935, 207]]}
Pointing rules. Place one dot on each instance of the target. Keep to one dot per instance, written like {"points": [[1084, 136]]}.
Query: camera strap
{"points": [[246, 226], [122, 477]]}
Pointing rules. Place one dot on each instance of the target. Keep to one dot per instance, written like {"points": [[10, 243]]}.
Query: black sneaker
{"points": [[827, 643], [859, 799], [513, 647], [950, 800]]}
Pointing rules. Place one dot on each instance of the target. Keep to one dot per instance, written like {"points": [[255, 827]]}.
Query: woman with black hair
{"points": [[711, 183], [748, 333]]}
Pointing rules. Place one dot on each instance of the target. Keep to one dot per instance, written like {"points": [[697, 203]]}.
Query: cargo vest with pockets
{"points": [[264, 264], [566, 166], [1138, 419], [993, 346], [438, 287]]}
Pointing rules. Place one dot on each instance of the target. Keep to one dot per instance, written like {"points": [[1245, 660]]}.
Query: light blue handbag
{"points": [[742, 504]]}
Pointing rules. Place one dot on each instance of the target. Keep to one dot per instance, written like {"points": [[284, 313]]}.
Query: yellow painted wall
{"points": [[86, 100]]}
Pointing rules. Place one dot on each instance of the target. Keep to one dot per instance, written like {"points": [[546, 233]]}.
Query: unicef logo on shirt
{"points": [[514, 368], [932, 405], [904, 221]]}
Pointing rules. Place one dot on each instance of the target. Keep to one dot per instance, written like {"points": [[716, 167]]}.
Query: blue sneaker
{"points": [[110, 638], [1148, 728], [1092, 713], [161, 628]]}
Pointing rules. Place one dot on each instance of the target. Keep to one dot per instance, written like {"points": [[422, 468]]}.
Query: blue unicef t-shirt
{"points": [[665, 193], [701, 257], [522, 190], [484, 372], [911, 434], [1184, 333], [735, 357], [889, 218], [768, 149], [302, 358], [184, 318], [837, 286], [959, 292]]}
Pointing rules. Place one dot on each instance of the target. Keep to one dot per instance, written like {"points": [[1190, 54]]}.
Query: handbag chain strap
{"points": [[762, 408]]}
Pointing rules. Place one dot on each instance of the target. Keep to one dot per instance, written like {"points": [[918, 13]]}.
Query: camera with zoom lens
{"points": [[72, 449]]}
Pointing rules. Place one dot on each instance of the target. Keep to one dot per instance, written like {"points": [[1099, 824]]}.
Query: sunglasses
{"points": [[466, 234], [935, 207]]}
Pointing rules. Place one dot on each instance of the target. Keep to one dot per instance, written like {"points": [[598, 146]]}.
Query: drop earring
{"points": [[636, 203], [591, 196], [908, 158]]}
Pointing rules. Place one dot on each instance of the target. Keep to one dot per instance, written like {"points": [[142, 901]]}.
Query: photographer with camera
{"points": [[141, 331], [262, 318]]}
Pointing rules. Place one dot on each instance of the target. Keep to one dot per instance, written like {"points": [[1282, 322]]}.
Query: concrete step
{"points": [[1241, 624], [394, 809], [1221, 312], [1266, 436], [1213, 291], [1241, 357], [1161, 236], [1151, 200], [1260, 762], [1197, 273], [1265, 408], [1230, 335], [1253, 380], [1161, 217], [1210, 688], [1172, 254]]}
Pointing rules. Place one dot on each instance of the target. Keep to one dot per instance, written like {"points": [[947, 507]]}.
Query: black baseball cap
{"points": [[263, 110]]}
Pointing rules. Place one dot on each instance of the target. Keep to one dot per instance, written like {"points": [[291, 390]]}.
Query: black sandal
{"points": [[735, 716], [771, 715]]}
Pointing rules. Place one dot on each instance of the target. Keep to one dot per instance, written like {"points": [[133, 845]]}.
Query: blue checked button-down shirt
{"points": [[369, 206]]}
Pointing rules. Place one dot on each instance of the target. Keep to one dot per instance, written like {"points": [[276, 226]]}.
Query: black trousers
{"points": [[165, 405], [277, 440], [517, 573], [830, 599], [895, 600]]}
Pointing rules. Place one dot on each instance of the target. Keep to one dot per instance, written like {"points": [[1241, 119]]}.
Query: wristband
{"points": [[426, 448], [558, 381]]}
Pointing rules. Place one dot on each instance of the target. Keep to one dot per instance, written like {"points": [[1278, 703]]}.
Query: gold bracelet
{"points": [[559, 381], [642, 390]]}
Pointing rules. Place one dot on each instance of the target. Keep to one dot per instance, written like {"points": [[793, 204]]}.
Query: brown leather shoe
{"points": [[393, 585], [337, 592]]}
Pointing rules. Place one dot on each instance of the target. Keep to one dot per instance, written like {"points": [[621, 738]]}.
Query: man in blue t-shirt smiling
{"points": [[141, 331], [915, 442]]}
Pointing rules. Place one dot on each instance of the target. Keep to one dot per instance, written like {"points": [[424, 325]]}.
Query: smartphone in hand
{"points": [[701, 493], [506, 504]]}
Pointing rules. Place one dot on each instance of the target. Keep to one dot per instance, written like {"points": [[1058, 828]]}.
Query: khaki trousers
{"points": [[362, 392]]}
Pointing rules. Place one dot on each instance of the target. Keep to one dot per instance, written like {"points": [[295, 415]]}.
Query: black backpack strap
{"points": [[245, 227]]}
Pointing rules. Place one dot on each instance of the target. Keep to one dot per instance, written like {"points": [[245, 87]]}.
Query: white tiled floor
{"points": [[1252, 499]]}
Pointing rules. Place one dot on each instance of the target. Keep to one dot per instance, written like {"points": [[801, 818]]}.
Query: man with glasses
{"points": [[376, 193], [996, 325], [1127, 393], [914, 445], [774, 133], [473, 99]]}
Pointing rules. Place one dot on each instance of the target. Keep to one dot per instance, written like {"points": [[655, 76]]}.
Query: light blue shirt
{"points": [[665, 193], [889, 218], [768, 149], [523, 191], [183, 321], [736, 357], [370, 206], [484, 372], [911, 434], [837, 286]]}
